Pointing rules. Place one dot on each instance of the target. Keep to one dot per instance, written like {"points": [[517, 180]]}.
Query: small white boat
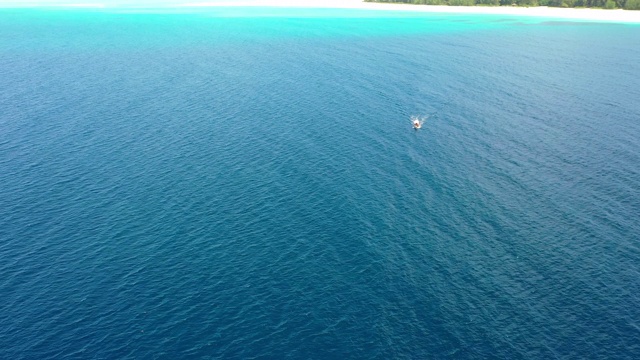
{"points": [[417, 123]]}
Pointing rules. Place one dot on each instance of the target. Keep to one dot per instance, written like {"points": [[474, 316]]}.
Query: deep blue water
{"points": [[246, 184]]}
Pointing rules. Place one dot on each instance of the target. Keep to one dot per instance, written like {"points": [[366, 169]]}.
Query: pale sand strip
{"points": [[628, 16]]}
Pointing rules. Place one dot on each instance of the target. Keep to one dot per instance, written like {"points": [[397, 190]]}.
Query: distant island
{"points": [[601, 4]]}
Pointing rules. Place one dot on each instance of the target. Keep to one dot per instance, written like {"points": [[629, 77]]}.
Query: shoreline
{"points": [[587, 14], [614, 15]]}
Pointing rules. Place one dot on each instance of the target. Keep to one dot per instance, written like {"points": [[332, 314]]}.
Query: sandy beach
{"points": [[617, 15]]}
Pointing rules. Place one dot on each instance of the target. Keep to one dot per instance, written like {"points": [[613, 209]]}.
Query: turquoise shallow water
{"points": [[246, 184]]}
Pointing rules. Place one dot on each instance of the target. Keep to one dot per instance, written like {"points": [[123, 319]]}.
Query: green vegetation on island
{"points": [[603, 4]]}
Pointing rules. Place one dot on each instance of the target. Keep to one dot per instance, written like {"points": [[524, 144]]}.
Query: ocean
{"points": [[246, 184]]}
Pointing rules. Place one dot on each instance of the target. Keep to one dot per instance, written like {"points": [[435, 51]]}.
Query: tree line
{"points": [[604, 4]]}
